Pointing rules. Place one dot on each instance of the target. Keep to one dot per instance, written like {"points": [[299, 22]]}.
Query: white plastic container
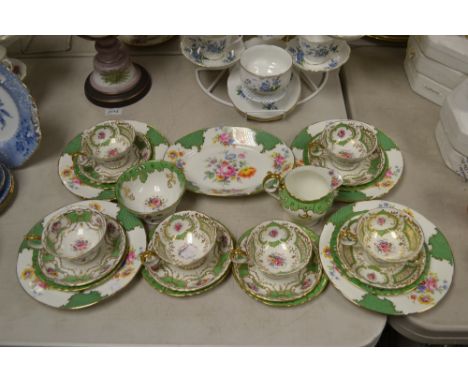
{"points": [[454, 116], [451, 51], [452, 158], [423, 85], [440, 73]]}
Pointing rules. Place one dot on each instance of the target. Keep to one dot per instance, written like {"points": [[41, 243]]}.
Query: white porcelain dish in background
{"points": [[448, 50], [440, 73], [454, 115], [423, 85], [452, 158]]}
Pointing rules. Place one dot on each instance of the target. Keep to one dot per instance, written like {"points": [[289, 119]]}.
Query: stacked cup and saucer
{"points": [[383, 248], [277, 263], [216, 52], [78, 249], [318, 53], [187, 255], [93, 161], [110, 148], [350, 147], [264, 86]]}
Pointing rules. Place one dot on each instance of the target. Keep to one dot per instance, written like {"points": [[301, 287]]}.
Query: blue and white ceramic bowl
{"points": [[265, 69], [317, 48], [19, 124]]}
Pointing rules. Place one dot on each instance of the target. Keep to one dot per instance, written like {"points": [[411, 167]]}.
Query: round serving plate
{"points": [[44, 293], [381, 185], [229, 161], [81, 180], [423, 296]]}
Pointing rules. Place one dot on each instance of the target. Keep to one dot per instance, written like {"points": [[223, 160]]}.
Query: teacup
{"points": [[152, 190], [278, 248], [265, 69], [317, 49], [76, 234], [306, 193], [184, 239], [347, 143], [212, 47], [389, 235], [110, 143]]}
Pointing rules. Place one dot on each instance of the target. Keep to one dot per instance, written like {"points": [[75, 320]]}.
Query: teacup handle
{"points": [[30, 240], [239, 256], [349, 236], [316, 149], [78, 154], [150, 258], [273, 188]]}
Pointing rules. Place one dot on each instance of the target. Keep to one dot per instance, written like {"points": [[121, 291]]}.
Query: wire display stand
{"points": [[314, 83]]}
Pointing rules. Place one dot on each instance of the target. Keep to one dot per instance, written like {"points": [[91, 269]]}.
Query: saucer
{"points": [[262, 111], [367, 170], [81, 185], [381, 185], [262, 99], [291, 290], [192, 54], [61, 273], [433, 285], [46, 294], [94, 172], [209, 273], [337, 58], [359, 265]]}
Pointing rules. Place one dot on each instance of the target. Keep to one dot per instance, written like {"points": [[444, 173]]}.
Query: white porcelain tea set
{"points": [[262, 84]]}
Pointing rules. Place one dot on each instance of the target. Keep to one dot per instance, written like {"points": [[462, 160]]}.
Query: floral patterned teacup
{"points": [[152, 190], [346, 142], [317, 49], [306, 193], [184, 239], [388, 235], [110, 143], [265, 69], [212, 47], [76, 234], [278, 248]]}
